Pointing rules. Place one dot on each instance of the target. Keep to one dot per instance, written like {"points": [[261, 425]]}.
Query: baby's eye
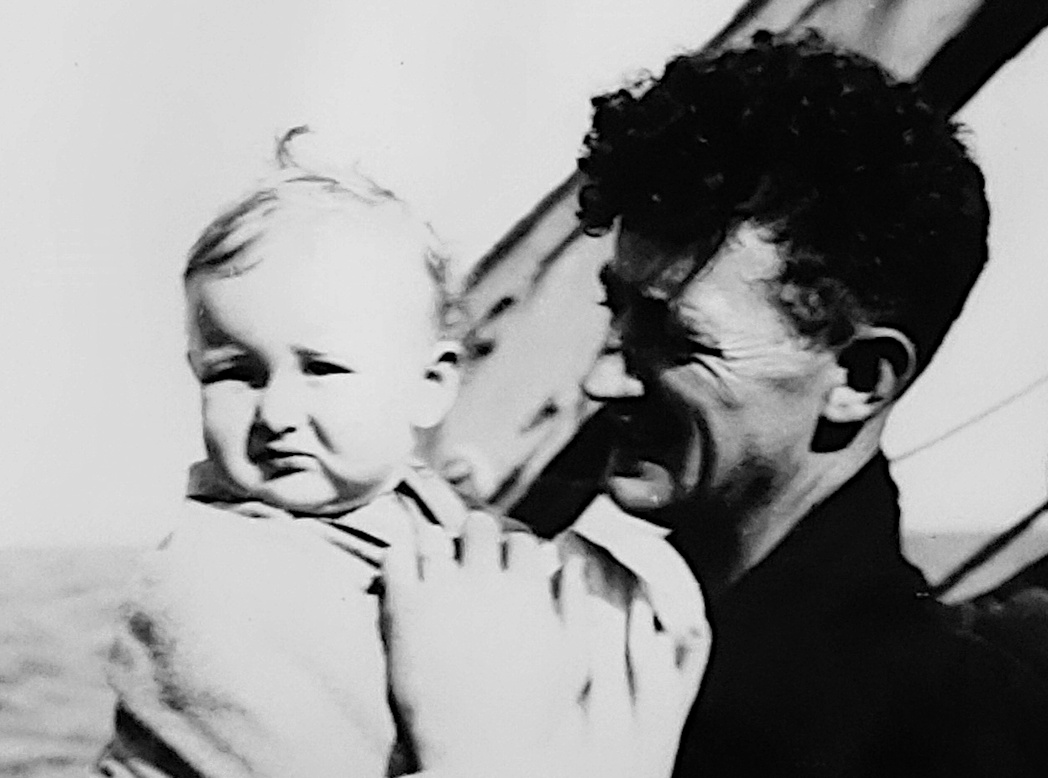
{"points": [[239, 372], [322, 367]]}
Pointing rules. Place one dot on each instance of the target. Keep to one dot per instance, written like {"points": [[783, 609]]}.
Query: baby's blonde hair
{"points": [[221, 250]]}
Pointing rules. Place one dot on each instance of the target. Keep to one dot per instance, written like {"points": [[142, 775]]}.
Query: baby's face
{"points": [[316, 364]]}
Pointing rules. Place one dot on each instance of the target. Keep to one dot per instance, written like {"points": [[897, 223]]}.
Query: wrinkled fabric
{"points": [[251, 643]]}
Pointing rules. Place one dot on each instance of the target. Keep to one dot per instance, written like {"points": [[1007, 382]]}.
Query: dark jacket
{"points": [[831, 659]]}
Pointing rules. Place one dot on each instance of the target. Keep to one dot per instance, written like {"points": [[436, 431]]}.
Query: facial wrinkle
{"points": [[757, 357], [693, 383]]}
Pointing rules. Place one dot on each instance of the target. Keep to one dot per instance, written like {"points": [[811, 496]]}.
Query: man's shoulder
{"points": [[969, 694], [999, 644], [953, 645], [987, 705]]}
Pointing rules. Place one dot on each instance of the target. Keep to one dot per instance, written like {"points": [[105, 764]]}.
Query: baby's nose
{"points": [[279, 407]]}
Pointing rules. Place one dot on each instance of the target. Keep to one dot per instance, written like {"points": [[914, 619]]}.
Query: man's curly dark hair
{"points": [[880, 213]]}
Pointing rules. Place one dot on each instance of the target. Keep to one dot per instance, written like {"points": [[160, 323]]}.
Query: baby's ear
{"points": [[877, 365], [440, 385]]}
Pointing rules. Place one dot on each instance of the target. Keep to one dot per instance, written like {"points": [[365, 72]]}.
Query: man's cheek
{"points": [[704, 387]]}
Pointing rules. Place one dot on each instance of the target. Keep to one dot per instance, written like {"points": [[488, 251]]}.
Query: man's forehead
{"points": [[725, 296], [657, 271]]}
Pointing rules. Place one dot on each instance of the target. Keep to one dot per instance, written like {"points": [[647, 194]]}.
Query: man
{"points": [[797, 232]]}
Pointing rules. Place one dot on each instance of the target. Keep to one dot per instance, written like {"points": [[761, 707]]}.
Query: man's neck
{"points": [[749, 537]]}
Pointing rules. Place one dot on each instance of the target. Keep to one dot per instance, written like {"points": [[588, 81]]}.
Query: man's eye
{"points": [[688, 351], [321, 367], [697, 352], [705, 350]]}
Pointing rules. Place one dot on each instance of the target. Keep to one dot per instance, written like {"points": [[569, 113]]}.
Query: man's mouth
{"points": [[639, 474], [639, 485], [651, 461]]}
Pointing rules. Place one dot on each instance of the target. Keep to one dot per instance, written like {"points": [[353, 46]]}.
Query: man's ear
{"points": [[439, 387], [877, 365]]}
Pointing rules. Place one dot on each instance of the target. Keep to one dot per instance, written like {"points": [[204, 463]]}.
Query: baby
{"points": [[253, 643]]}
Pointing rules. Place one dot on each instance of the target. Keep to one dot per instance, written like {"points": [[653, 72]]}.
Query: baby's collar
{"points": [[433, 497], [208, 484]]}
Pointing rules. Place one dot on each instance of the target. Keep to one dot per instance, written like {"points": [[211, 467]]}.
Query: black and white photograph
{"points": [[549, 389]]}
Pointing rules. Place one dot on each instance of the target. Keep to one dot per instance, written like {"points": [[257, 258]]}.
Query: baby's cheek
{"points": [[226, 415], [366, 418], [365, 394]]}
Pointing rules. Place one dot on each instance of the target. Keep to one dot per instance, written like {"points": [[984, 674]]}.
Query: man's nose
{"points": [[279, 407], [610, 378]]}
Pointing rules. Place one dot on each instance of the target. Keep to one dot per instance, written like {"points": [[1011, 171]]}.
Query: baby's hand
{"points": [[486, 666]]}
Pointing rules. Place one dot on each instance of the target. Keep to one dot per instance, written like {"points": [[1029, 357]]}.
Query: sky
{"points": [[129, 124]]}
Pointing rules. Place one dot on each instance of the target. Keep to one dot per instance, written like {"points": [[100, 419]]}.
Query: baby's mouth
{"points": [[277, 462]]}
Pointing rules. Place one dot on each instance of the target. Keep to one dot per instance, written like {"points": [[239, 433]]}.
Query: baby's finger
{"points": [[610, 695], [400, 572], [692, 657], [436, 553], [571, 601], [680, 613], [642, 634], [572, 593], [650, 652], [523, 554], [481, 543]]}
